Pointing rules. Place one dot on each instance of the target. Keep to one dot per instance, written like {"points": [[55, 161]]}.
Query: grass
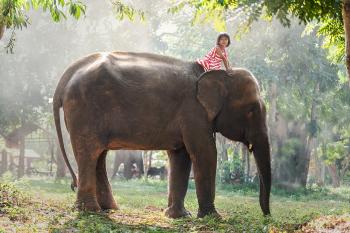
{"points": [[45, 205]]}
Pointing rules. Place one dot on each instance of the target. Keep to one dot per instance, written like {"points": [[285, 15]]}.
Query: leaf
{"points": [[219, 25]]}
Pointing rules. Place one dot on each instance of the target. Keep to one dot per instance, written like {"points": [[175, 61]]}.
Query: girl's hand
{"points": [[230, 71]]}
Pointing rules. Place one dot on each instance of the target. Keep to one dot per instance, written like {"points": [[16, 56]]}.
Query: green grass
{"points": [[48, 206]]}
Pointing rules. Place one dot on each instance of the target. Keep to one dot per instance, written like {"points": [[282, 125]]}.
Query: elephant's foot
{"points": [[208, 212], [107, 204], [176, 212], [105, 198], [88, 203]]}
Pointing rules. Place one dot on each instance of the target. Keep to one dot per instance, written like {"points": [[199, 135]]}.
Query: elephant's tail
{"points": [[57, 104]]}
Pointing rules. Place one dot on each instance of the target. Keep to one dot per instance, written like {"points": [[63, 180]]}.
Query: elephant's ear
{"points": [[211, 91]]}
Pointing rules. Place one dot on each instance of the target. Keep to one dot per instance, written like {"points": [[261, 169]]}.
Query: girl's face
{"points": [[223, 42]]}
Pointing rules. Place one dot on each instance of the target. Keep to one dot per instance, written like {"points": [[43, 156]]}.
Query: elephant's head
{"points": [[234, 106]]}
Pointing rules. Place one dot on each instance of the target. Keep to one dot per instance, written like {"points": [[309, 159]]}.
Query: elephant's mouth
{"points": [[249, 146]]}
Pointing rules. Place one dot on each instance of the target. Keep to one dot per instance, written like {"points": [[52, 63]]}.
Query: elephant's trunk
{"points": [[262, 156]]}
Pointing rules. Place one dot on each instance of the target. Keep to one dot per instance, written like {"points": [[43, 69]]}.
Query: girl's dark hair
{"points": [[223, 34]]}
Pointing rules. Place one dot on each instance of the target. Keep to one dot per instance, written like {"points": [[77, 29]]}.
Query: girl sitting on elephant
{"points": [[218, 54]]}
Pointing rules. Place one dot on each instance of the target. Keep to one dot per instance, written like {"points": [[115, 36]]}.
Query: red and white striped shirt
{"points": [[212, 61]]}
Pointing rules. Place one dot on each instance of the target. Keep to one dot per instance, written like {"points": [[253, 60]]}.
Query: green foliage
{"points": [[334, 151], [305, 11], [231, 171], [334, 39], [326, 14], [123, 10], [13, 13], [13, 201], [10, 195], [290, 147]]}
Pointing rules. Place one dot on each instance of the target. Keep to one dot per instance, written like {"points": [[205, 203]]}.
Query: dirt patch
{"points": [[328, 224]]}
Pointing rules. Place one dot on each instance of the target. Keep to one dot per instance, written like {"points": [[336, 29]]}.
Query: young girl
{"points": [[218, 54]]}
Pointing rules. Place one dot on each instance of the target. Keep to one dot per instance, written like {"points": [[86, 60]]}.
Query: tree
{"points": [[13, 13]]}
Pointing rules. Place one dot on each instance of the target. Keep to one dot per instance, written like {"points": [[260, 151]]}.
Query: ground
{"points": [[45, 205]]}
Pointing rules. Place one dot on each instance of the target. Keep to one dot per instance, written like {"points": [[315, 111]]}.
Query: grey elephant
{"points": [[128, 158], [143, 101]]}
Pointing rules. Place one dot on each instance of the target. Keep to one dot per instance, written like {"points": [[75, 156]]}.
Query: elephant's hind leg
{"points": [[180, 168], [86, 151], [104, 192]]}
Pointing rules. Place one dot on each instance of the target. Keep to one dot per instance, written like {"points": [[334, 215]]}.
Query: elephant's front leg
{"points": [[202, 151], [180, 168]]}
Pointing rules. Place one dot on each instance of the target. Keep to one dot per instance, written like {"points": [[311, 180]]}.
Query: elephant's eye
{"points": [[252, 110], [250, 114]]}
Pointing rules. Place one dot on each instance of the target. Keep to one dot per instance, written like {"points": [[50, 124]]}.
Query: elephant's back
{"points": [[131, 75], [128, 94], [129, 84], [146, 60]]}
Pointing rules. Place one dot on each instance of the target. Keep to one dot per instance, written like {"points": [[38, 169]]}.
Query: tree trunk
{"points": [[12, 166], [306, 161], [273, 130], [20, 172], [323, 173], [2, 31], [222, 148], [278, 136], [346, 20], [244, 162], [272, 110], [345, 166], [150, 160], [4, 162], [320, 169], [224, 153], [311, 139], [248, 166], [61, 166], [28, 166], [52, 159], [334, 175]]}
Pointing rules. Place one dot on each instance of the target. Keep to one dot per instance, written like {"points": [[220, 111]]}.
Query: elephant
{"points": [[143, 101], [128, 158]]}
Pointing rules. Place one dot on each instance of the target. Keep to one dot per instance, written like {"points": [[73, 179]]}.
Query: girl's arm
{"points": [[226, 63]]}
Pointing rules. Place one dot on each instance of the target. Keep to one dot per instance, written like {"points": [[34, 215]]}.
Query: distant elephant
{"points": [[143, 101], [155, 171], [128, 158]]}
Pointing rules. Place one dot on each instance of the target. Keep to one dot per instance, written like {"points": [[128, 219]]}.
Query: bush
{"points": [[12, 201], [231, 172]]}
